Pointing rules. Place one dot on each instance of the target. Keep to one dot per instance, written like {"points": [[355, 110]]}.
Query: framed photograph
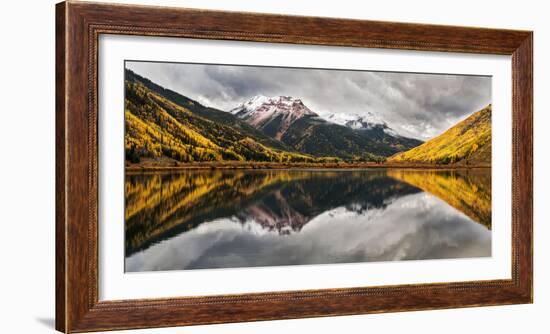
{"points": [[212, 169]]}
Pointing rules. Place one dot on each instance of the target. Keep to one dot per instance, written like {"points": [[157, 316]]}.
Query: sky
{"points": [[414, 105]]}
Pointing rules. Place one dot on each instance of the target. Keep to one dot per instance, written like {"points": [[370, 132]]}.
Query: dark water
{"points": [[232, 218]]}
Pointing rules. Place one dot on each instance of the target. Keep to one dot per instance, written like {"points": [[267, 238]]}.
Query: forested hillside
{"points": [[157, 127], [466, 143]]}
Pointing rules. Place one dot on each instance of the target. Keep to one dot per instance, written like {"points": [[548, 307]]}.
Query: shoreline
{"points": [[296, 166]]}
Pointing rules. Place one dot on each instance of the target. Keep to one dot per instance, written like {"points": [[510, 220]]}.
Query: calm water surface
{"points": [[234, 218]]}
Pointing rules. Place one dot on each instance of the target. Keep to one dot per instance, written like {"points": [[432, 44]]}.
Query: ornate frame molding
{"points": [[78, 27]]}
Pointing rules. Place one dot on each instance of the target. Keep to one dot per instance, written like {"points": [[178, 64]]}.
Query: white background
{"points": [[27, 165]]}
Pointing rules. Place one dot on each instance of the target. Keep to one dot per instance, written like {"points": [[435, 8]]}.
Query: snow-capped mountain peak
{"points": [[251, 104], [364, 121], [265, 104], [275, 115], [355, 121], [277, 112]]}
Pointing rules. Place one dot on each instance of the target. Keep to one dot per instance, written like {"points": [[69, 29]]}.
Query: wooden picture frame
{"points": [[78, 26]]}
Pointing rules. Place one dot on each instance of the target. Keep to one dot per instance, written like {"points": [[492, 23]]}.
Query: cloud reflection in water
{"points": [[277, 228]]}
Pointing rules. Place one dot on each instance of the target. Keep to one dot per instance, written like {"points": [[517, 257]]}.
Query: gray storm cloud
{"points": [[413, 104]]}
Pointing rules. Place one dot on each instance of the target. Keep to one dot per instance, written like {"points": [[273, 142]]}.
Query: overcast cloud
{"points": [[416, 105]]}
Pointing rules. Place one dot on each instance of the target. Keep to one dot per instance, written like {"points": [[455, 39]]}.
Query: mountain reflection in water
{"points": [[242, 218]]}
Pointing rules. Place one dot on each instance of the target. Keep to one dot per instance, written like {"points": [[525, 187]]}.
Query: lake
{"points": [[196, 219]]}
